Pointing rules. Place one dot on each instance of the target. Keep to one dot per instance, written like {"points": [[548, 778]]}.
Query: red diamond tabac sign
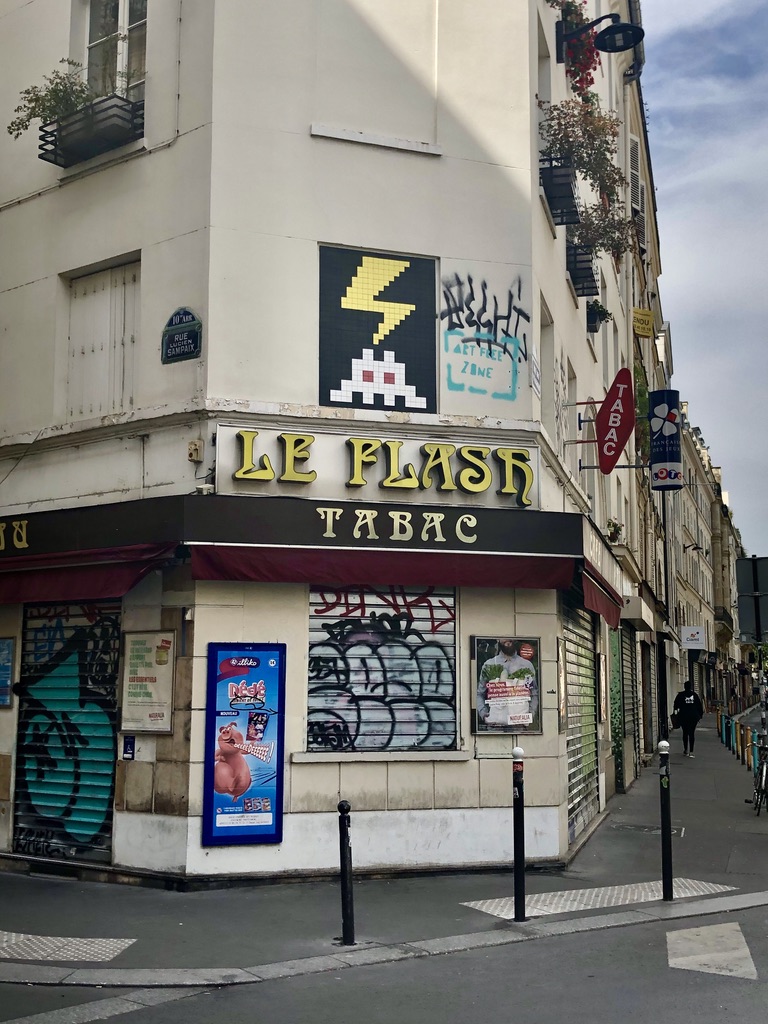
{"points": [[615, 421]]}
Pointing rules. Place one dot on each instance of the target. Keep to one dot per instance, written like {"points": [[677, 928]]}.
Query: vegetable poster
{"points": [[507, 679]]}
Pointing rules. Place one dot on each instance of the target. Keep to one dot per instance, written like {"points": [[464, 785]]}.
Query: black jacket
{"points": [[689, 707]]}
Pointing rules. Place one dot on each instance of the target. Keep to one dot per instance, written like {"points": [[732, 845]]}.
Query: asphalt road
{"points": [[604, 977]]}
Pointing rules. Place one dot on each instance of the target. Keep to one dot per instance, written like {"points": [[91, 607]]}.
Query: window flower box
{"points": [[581, 266], [597, 315], [96, 128], [558, 179]]}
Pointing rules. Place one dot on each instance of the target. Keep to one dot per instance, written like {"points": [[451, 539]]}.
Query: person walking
{"points": [[689, 711]]}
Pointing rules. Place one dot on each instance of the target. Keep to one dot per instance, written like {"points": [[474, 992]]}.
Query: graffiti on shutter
{"points": [[581, 745], [617, 709], [382, 669], [631, 701], [66, 732]]}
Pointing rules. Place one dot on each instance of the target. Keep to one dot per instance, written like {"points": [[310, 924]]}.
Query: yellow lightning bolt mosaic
{"points": [[372, 277]]}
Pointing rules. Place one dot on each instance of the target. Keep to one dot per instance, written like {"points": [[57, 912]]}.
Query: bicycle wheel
{"points": [[760, 794]]}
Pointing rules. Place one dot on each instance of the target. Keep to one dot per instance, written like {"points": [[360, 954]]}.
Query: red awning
{"points": [[406, 568], [79, 575], [600, 596]]}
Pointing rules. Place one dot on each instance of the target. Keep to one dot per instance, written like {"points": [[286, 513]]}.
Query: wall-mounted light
{"points": [[616, 38], [694, 546]]}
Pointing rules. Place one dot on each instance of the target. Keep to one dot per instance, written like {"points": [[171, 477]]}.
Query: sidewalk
{"points": [[215, 937]]}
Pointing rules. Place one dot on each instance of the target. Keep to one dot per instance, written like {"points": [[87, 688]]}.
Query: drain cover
{"points": [[651, 830]]}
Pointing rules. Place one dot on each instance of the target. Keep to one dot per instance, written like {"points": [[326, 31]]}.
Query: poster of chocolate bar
{"points": [[243, 779]]}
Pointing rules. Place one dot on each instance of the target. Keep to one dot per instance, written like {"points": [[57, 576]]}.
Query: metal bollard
{"points": [[755, 755], [749, 748], [518, 826], [743, 744], [666, 822], [728, 737], [345, 859]]}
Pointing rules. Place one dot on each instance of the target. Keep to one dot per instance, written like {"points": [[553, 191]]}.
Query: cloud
{"points": [[683, 19], [704, 85]]}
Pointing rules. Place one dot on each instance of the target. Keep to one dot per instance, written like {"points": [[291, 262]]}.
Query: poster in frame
{"points": [[244, 744], [147, 677], [6, 671], [506, 685]]}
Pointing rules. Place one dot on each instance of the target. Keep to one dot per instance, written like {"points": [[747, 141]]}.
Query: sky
{"points": [[705, 88]]}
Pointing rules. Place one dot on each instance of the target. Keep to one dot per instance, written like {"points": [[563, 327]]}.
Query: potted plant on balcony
{"points": [[597, 314], [582, 58], [614, 528], [61, 94], [579, 134], [604, 228], [76, 123]]}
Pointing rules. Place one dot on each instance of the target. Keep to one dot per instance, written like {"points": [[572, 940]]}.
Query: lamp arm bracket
{"points": [[562, 37]]}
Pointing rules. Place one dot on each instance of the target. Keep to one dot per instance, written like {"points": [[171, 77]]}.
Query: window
{"points": [[117, 42], [103, 330]]}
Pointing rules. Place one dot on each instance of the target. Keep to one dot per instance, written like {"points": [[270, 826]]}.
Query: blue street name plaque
{"points": [[182, 337]]}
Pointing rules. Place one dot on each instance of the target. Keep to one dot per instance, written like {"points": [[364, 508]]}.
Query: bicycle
{"points": [[760, 793]]}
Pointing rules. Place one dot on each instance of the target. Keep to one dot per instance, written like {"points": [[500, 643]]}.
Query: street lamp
{"points": [[616, 38], [694, 546]]}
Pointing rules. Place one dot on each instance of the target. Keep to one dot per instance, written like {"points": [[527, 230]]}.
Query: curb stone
{"points": [[222, 977]]}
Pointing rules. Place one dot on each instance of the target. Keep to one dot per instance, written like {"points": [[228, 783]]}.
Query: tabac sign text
{"points": [[615, 421]]}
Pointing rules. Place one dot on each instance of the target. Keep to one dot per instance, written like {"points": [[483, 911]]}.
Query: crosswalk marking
{"points": [[574, 900], [20, 946], [713, 949]]}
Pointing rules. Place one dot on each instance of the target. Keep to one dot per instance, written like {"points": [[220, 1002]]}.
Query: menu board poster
{"points": [[506, 680], [147, 682], [244, 727], [6, 671]]}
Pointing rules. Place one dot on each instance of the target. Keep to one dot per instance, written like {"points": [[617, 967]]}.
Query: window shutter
{"points": [[382, 669], [104, 314], [637, 190]]}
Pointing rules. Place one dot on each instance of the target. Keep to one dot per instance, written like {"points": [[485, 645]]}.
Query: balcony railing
{"points": [[96, 128], [558, 179], [581, 265]]}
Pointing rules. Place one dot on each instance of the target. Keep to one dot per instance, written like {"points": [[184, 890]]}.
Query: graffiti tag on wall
{"points": [[66, 740], [381, 669], [485, 337]]}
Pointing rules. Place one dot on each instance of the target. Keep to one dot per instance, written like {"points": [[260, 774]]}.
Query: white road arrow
{"points": [[714, 949]]}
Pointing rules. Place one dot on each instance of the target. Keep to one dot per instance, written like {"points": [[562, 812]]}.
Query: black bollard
{"points": [[345, 860], [518, 825], [666, 823]]}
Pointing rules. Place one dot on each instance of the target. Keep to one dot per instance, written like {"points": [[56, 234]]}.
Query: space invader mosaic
{"points": [[378, 330], [373, 377]]}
